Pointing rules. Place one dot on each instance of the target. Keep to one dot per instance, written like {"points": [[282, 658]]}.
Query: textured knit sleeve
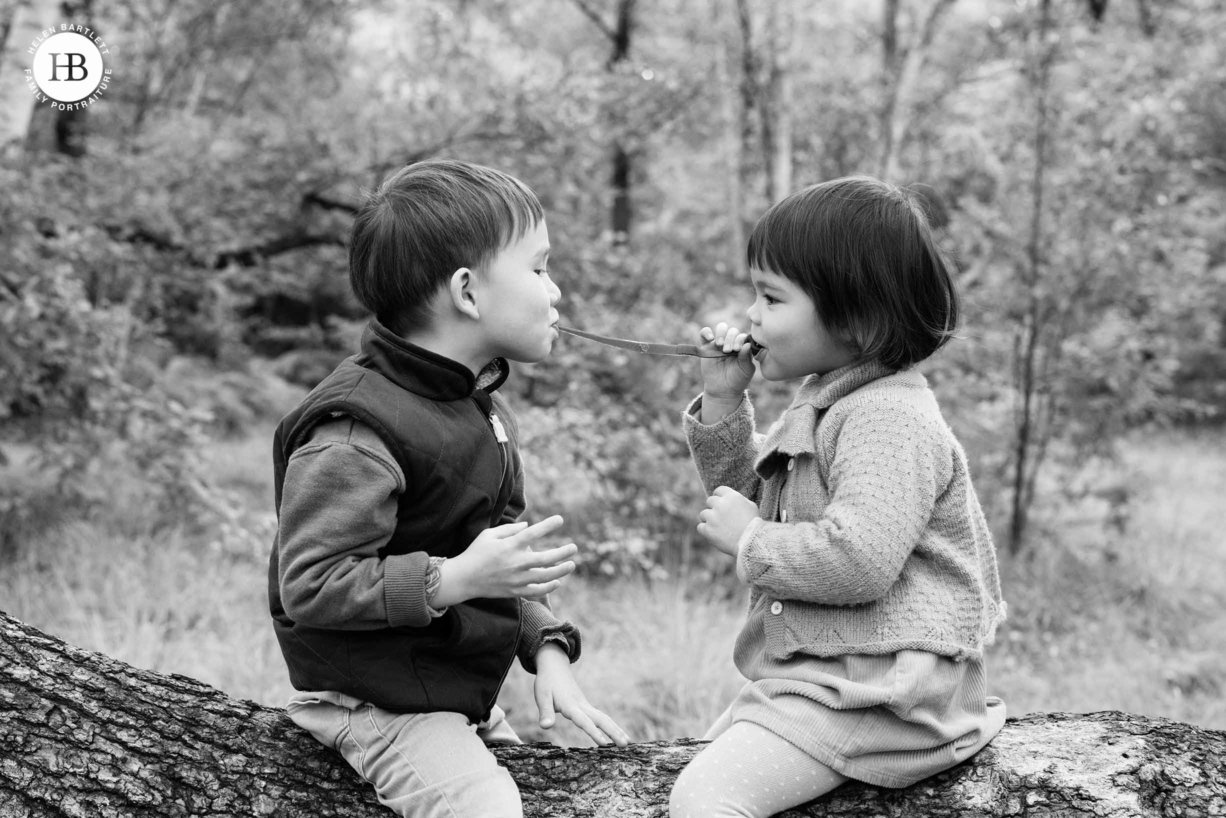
{"points": [[338, 509], [724, 452], [889, 465], [539, 626]]}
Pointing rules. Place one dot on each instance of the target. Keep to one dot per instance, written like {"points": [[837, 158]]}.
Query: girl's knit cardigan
{"points": [[878, 544]]}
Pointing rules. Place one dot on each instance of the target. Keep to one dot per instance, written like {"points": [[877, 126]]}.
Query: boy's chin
{"points": [[530, 356]]}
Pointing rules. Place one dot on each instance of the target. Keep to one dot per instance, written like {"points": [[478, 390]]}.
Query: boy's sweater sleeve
{"points": [[724, 452], [338, 508], [540, 626], [888, 470]]}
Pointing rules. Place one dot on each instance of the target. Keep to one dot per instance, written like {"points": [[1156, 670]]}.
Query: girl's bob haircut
{"points": [[425, 222], [864, 253]]}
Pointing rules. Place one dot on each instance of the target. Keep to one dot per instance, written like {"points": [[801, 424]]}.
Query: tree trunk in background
{"points": [[1031, 429], [17, 103], [623, 166], [766, 90], [777, 110], [732, 109], [72, 126], [903, 66], [85, 735]]}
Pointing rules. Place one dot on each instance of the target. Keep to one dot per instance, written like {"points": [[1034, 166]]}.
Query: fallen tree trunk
{"points": [[85, 735]]}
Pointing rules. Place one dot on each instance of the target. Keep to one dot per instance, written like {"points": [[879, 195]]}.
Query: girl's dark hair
{"points": [[424, 223], [863, 251]]}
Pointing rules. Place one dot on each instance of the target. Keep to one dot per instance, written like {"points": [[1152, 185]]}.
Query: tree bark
{"points": [[85, 735]]}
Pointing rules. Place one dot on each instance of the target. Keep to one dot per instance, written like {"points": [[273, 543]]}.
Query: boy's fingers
{"points": [[509, 529], [544, 589], [544, 704], [552, 572], [610, 728], [543, 527], [584, 723], [552, 556]]}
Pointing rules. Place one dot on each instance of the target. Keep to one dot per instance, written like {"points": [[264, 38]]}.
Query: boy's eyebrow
{"points": [[541, 255]]}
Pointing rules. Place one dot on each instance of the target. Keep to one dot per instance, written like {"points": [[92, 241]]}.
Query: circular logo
{"points": [[68, 67]]}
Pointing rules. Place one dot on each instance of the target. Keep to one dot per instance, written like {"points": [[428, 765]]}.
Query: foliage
{"points": [[208, 221]]}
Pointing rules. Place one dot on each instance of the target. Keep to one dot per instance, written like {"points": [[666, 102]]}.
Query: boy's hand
{"points": [[557, 691], [724, 519], [501, 563], [724, 379]]}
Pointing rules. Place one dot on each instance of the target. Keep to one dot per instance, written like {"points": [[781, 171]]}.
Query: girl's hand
{"points": [[726, 378], [557, 691], [725, 519]]}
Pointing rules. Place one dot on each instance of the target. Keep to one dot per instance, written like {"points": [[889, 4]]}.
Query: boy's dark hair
{"points": [[424, 223], [863, 251]]}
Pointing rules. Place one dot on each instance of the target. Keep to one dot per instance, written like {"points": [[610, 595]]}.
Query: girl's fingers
{"points": [[730, 338]]}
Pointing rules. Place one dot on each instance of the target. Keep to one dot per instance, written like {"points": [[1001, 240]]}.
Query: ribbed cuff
{"points": [[734, 426], [539, 623], [404, 589]]}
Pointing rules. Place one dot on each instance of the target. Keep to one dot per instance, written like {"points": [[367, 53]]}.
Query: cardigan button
{"points": [[783, 515], [791, 463], [776, 607]]}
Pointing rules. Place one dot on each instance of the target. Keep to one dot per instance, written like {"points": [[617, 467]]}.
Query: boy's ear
{"points": [[461, 288]]}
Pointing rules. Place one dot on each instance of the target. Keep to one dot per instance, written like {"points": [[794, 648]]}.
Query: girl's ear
{"points": [[461, 290]]}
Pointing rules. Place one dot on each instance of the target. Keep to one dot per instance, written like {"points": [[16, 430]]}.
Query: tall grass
{"points": [[1132, 621]]}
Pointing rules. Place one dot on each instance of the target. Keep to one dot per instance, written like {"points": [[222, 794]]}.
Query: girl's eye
{"points": [[768, 299]]}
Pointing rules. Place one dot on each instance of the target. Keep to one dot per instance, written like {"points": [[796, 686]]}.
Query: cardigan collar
{"points": [[794, 433], [422, 372]]}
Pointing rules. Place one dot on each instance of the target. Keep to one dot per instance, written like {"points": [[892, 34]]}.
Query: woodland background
{"points": [[173, 278]]}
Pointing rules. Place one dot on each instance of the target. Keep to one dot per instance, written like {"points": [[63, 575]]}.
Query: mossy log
{"points": [[85, 735]]}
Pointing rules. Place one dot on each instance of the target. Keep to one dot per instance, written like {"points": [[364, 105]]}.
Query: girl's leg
{"points": [[749, 772]]}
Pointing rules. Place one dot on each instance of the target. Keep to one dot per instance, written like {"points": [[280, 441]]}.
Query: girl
{"points": [[872, 574]]}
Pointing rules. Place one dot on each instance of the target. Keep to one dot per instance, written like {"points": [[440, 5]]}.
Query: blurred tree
{"points": [[20, 25], [619, 34], [903, 66]]}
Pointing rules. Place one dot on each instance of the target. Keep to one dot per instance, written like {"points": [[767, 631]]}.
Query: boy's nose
{"points": [[555, 295]]}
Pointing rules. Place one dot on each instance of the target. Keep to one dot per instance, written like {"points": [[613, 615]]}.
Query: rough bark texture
{"points": [[85, 735]]}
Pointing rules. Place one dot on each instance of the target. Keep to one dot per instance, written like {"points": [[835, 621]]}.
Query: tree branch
{"points": [[83, 734], [593, 15]]}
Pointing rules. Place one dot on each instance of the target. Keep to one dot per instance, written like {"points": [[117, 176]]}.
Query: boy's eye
{"points": [[542, 271]]}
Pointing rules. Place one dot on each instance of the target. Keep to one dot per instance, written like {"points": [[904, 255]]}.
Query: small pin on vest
{"points": [[500, 434]]}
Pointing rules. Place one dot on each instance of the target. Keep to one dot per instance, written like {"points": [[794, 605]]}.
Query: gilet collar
{"points": [[422, 372]]}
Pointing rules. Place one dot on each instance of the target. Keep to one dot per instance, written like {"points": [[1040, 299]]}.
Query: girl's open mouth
{"points": [[755, 349]]}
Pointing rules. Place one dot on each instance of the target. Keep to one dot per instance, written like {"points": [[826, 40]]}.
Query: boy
{"points": [[401, 585]]}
